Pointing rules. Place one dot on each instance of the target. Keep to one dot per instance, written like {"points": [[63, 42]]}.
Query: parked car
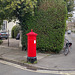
{"points": [[69, 31], [3, 35]]}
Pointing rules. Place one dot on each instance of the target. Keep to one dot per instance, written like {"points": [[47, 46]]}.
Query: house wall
{"points": [[8, 26]]}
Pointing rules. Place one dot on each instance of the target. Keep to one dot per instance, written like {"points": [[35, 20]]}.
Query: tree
{"points": [[17, 9], [12, 9]]}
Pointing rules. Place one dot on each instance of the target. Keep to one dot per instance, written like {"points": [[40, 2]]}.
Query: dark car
{"points": [[3, 35]]}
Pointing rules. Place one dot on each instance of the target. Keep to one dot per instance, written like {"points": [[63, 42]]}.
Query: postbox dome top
{"points": [[31, 33]]}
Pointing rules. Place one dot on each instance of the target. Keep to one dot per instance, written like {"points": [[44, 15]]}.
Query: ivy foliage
{"points": [[15, 30]]}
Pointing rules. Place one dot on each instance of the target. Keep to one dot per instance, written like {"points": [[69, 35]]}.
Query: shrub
{"points": [[49, 23], [24, 27], [15, 31], [1, 42]]}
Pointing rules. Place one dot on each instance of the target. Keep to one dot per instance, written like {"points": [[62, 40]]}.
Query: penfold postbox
{"points": [[31, 47]]}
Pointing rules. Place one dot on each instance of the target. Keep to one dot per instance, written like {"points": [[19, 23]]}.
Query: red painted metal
{"points": [[31, 42]]}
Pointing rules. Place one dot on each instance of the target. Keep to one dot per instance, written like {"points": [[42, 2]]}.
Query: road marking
{"points": [[12, 64], [39, 71]]}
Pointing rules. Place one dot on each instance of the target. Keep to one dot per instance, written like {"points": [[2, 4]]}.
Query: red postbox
{"points": [[31, 47]]}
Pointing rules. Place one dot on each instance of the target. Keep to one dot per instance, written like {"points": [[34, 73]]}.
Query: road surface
{"points": [[13, 69]]}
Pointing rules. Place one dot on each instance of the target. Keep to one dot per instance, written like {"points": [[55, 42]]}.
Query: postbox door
{"points": [[32, 47]]}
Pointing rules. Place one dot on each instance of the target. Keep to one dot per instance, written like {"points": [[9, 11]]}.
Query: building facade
{"points": [[8, 26]]}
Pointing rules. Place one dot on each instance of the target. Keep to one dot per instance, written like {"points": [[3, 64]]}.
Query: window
{"points": [[4, 27]]}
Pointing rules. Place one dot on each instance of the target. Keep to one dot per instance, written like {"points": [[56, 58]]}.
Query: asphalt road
{"points": [[11, 70]]}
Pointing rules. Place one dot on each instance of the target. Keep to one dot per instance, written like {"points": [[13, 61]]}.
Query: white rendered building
{"points": [[8, 26]]}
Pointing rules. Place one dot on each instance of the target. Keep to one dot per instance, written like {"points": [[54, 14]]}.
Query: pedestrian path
{"points": [[57, 62]]}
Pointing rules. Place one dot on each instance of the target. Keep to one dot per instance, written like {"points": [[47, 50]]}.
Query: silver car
{"points": [[3, 35]]}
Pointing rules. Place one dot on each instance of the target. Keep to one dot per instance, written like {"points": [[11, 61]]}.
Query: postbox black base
{"points": [[31, 59]]}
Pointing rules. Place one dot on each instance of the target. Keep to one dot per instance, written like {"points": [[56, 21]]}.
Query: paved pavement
{"points": [[44, 61], [12, 42]]}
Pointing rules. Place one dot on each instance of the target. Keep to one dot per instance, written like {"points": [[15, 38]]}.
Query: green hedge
{"points": [[15, 31], [24, 27], [49, 23]]}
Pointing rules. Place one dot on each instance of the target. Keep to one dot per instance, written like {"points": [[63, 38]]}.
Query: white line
{"points": [[39, 71], [12, 64]]}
